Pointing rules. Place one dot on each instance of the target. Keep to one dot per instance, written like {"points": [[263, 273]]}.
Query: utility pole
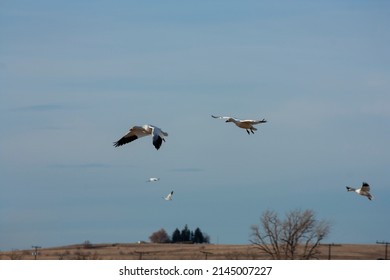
{"points": [[206, 254], [386, 245], [330, 245], [35, 253], [141, 253]]}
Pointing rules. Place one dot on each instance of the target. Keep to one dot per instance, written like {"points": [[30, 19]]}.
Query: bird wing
{"points": [[365, 187], [254, 121], [220, 117], [226, 118], [158, 136], [169, 196], [134, 133]]}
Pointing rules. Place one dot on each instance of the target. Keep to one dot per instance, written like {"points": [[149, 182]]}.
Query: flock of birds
{"points": [[154, 179], [158, 137]]}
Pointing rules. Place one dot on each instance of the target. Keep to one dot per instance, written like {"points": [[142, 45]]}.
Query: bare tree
{"points": [[296, 237], [159, 236]]}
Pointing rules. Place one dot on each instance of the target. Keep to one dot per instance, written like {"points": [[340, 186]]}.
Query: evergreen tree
{"points": [[176, 236], [185, 234], [198, 236]]}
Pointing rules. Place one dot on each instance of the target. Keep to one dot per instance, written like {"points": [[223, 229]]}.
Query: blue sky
{"points": [[75, 75]]}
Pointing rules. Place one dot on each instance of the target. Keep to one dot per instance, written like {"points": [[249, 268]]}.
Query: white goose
{"points": [[140, 131], [153, 179], [169, 196], [245, 124], [364, 190]]}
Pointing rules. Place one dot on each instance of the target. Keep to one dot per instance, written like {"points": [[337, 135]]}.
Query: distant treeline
{"points": [[180, 236]]}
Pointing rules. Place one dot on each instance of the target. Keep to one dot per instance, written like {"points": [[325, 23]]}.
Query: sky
{"points": [[76, 75]]}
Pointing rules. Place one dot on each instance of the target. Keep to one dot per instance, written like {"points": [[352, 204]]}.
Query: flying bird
{"points": [[153, 179], [364, 190], [140, 131], [169, 196], [245, 124]]}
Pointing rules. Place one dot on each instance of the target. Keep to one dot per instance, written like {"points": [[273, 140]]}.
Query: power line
{"points": [[35, 253], [141, 253], [206, 254], [386, 245], [330, 245]]}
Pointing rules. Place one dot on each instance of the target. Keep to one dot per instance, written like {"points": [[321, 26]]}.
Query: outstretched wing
{"points": [[158, 136], [134, 133], [254, 121], [226, 118], [365, 187], [169, 196], [220, 117]]}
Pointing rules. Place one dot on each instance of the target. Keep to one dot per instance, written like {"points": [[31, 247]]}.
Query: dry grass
{"points": [[134, 251]]}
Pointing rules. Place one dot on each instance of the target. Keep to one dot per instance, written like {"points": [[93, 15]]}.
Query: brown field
{"points": [[135, 251]]}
